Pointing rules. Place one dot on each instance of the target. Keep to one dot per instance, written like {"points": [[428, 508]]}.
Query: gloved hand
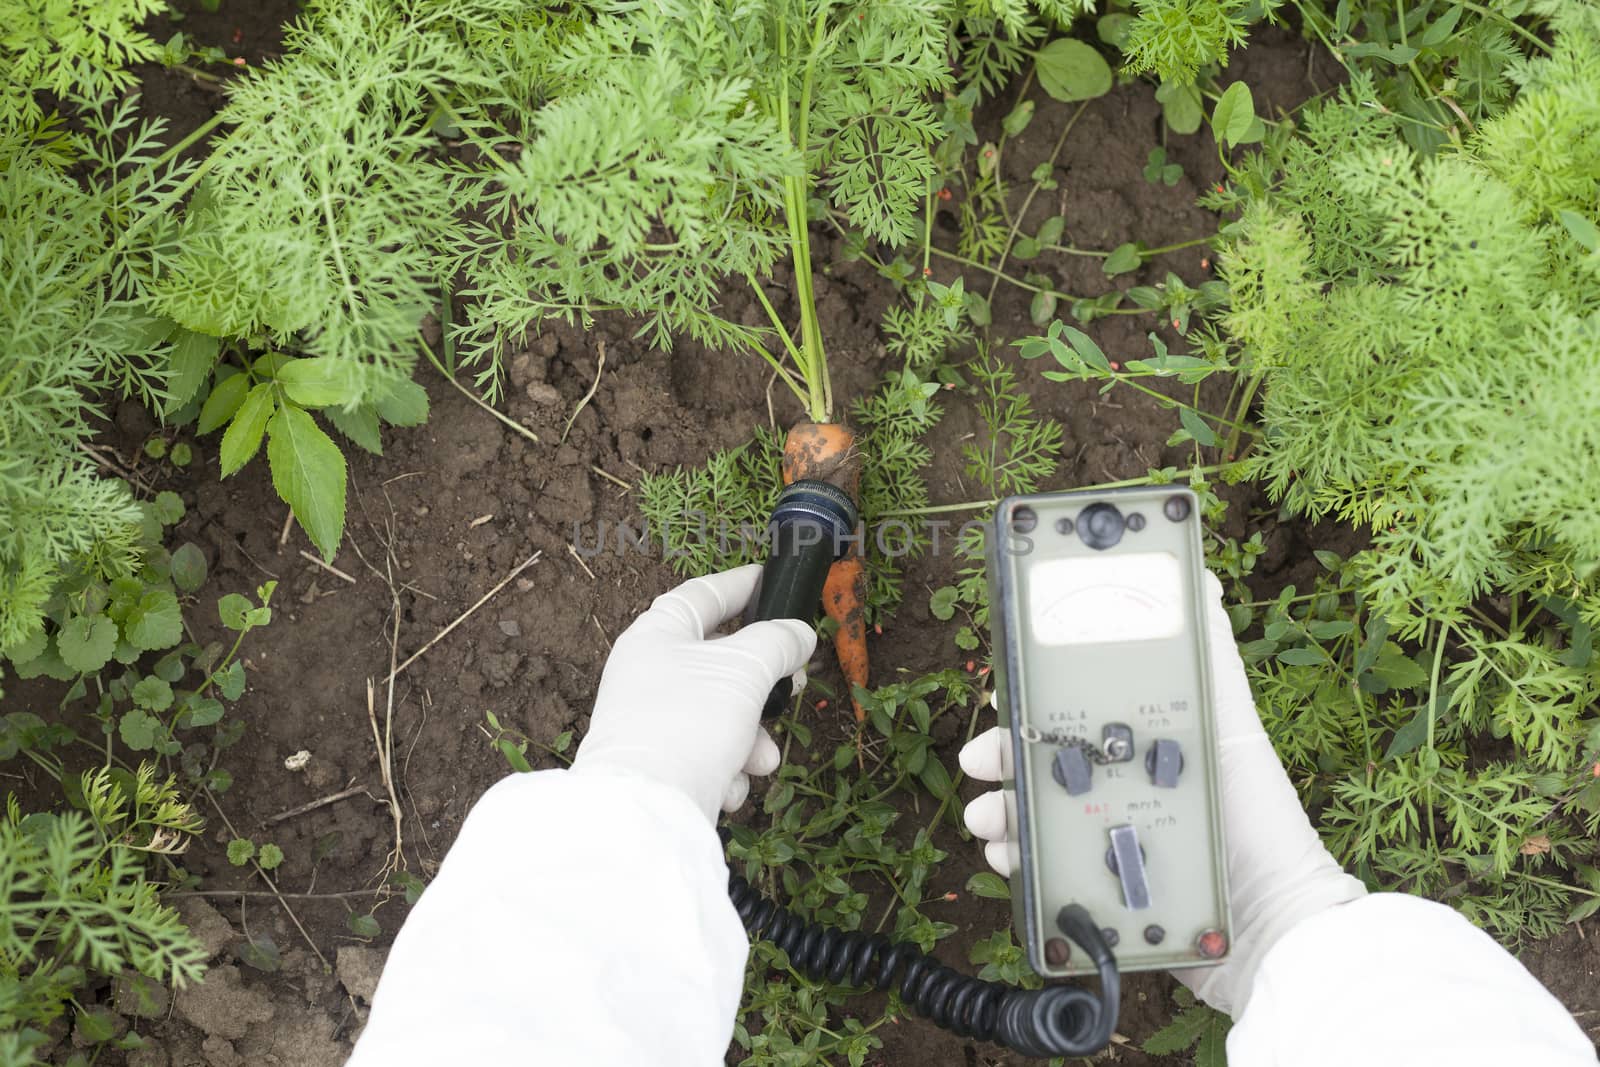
{"points": [[1278, 869], [683, 708]]}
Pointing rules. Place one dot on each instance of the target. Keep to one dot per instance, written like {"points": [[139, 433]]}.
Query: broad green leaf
{"points": [[1198, 428], [990, 885], [230, 680], [1408, 737], [405, 403], [204, 711], [138, 729], [1235, 110], [261, 953], [1181, 107], [1584, 909], [1393, 670], [86, 642], [1583, 231], [1085, 348], [1042, 308], [240, 851], [1441, 28], [232, 610], [1123, 258], [193, 355], [167, 508], [243, 437], [189, 567], [977, 308], [270, 857], [513, 755], [363, 925], [1301, 657], [152, 693], [316, 381], [1019, 118], [155, 622], [308, 473], [225, 398], [1070, 70], [943, 602], [1113, 29], [1051, 229], [360, 425]]}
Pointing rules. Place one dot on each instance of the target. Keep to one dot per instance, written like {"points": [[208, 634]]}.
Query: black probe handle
{"points": [[791, 588]]}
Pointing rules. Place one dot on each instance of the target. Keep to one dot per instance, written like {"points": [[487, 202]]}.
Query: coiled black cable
{"points": [[1059, 1020]]}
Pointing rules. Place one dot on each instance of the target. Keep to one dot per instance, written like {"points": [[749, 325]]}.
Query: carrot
{"points": [[844, 599], [826, 451]]}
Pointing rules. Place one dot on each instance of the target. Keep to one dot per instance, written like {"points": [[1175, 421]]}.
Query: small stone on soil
{"points": [[207, 924], [137, 994], [358, 968], [222, 1006]]}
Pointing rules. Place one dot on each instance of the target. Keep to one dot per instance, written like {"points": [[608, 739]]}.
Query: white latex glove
{"points": [[1279, 872], [683, 708]]}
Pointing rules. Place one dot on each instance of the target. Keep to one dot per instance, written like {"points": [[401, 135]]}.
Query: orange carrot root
{"points": [[823, 451], [827, 452], [844, 598]]}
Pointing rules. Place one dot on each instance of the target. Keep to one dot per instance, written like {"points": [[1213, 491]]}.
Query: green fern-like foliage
{"points": [[1423, 332], [1425, 328], [73, 328], [1175, 38], [78, 48], [77, 901]]}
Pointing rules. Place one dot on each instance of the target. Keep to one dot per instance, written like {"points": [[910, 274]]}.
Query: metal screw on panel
{"points": [[1065, 527], [1211, 944], [1176, 508], [1111, 937], [1136, 522], [1057, 952], [1154, 934], [1023, 520], [1116, 748]]}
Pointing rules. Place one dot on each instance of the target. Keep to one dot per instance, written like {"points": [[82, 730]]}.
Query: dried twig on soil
{"points": [[313, 805], [288, 525], [384, 742], [262, 874], [476, 399], [600, 368], [459, 619], [330, 568], [608, 476], [574, 554], [108, 459], [250, 894]]}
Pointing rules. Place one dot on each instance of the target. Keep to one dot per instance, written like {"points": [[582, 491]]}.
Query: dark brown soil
{"points": [[455, 506]]}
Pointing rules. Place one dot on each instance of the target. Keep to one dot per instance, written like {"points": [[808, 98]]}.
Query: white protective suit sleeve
{"points": [[577, 919], [1392, 980]]}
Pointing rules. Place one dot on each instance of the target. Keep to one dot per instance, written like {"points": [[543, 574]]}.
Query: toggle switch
{"points": [[1164, 761], [1116, 741], [1073, 770], [1127, 860]]}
